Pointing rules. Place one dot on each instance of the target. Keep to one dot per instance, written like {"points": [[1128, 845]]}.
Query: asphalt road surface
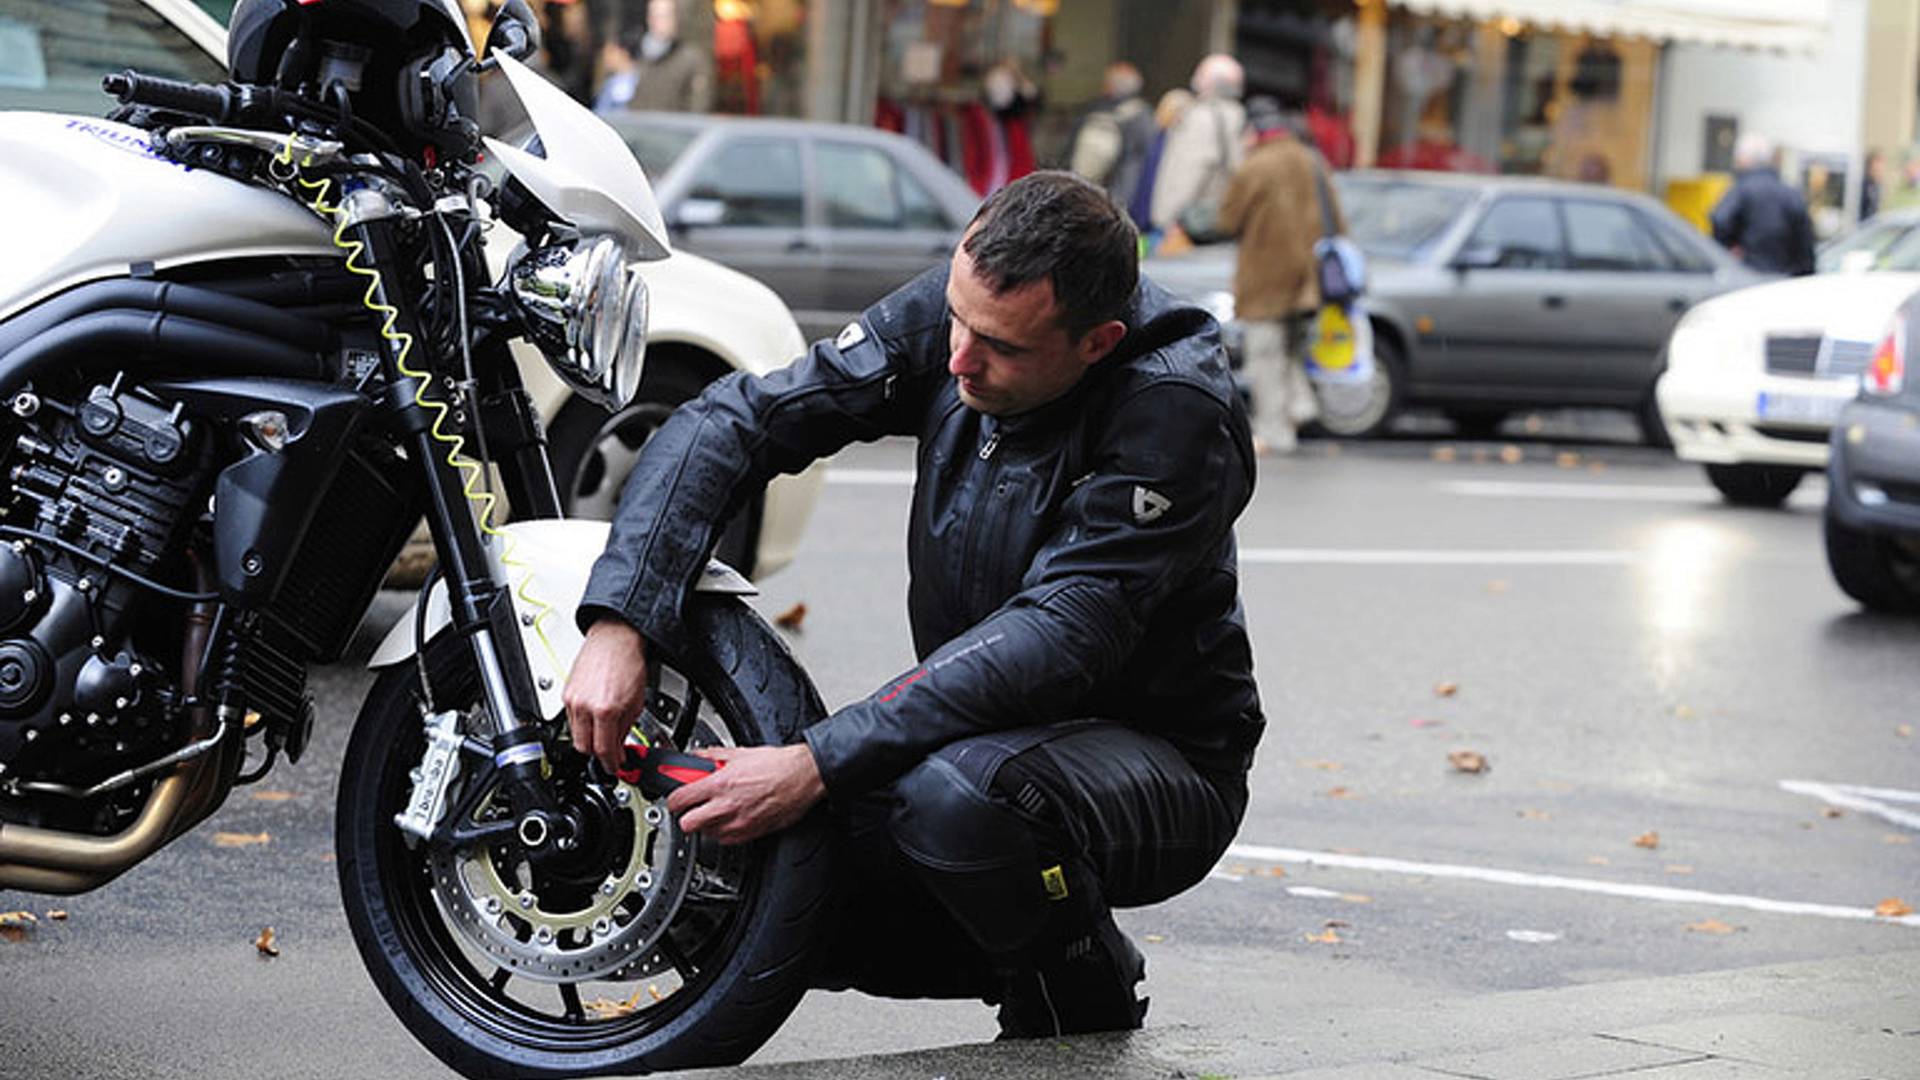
{"points": [[1631, 657]]}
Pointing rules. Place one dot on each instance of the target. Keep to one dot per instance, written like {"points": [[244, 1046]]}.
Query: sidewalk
{"points": [[1850, 1019]]}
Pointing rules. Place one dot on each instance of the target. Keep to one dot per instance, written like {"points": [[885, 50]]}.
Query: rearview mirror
{"points": [[1476, 257], [515, 31]]}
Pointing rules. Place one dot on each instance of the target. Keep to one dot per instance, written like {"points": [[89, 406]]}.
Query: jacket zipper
{"points": [[982, 505]]}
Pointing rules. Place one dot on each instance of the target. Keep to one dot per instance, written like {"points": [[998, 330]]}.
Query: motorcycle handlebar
{"points": [[217, 103]]}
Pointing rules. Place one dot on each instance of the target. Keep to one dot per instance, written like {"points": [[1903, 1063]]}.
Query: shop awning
{"points": [[1785, 25]]}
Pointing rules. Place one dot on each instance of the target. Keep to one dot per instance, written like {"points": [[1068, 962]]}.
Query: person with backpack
{"points": [[1110, 147]]}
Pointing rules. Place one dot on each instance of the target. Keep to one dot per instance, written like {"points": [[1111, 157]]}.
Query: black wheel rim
{"points": [[593, 489], [541, 1016]]}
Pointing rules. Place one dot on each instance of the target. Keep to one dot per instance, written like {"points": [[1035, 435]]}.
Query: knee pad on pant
{"points": [[972, 851]]}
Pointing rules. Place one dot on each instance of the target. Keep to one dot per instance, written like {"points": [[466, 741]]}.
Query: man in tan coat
{"points": [[672, 75], [1273, 206]]}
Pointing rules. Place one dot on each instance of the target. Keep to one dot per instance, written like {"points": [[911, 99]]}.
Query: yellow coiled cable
{"points": [[470, 470]]}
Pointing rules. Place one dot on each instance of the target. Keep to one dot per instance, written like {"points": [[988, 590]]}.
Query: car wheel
{"points": [[1877, 571], [1477, 423], [1355, 410], [593, 451], [1755, 485]]}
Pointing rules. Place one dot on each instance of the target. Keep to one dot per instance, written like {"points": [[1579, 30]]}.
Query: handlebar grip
{"points": [[132, 88]]}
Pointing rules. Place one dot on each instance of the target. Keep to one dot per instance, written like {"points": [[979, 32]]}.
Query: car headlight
{"points": [[586, 309], [1711, 342]]}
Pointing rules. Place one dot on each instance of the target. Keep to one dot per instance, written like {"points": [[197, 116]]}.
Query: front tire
{"points": [[1764, 486], [1874, 570], [486, 988]]}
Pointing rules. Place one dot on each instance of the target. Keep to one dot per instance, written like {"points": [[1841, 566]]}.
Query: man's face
{"points": [[1008, 352], [663, 19]]}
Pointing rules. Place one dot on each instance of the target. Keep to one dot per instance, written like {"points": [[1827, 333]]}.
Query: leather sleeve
{"points": [[1174, 471], [723, 446]]}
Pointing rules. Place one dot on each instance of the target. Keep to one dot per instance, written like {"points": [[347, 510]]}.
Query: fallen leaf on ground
{"points": [[1468, 761], [1833, 811], [1445, 453], [265, 943], [1325, 937], [1238, 869], [1533, 425], [1153, 939], [1567, 460], [1905, 731], [1276, 871], [1425, 722], [272, 796], [57, 915], [1599, 860], [1559, 787], [1648, 840], [1678, 868], [14, 925], [1445, 689], [1323, 766], [1480, 455], [1711, 926], [1534, 815], [791, 618], [1683, 712], [1339, 793], [1895, 838], [1512, 455], [1893, 908], [606, 1009], [1337, 924], [1598, 466], [1497, 586], [1333, 449], [240, 839], [1356, 898]]}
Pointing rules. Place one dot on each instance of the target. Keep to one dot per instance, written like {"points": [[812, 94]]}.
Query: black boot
{"points": [[1085, 985]]}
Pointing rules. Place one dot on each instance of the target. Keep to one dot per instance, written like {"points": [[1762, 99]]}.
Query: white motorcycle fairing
{"points": [[555, 557], [587, 176], [89, 199]]}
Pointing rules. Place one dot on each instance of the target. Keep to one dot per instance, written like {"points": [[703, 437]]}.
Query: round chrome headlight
{"points": [[578, 302]]}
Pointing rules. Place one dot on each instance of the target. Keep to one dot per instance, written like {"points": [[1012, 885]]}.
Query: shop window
{"points": [[52, 55], [1524, 233], [757, 182], [857, 187], [1607, 236]]}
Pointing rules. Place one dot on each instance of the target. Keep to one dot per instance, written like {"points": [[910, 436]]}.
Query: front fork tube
{"points": [[482, 609]]}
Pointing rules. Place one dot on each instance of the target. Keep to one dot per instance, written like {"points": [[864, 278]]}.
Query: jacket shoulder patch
{"points": [[1149, 505]]}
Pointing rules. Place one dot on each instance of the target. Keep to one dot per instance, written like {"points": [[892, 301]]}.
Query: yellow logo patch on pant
{"points": [[1055, 880]]}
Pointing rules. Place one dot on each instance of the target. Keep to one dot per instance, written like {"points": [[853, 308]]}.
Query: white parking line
{"points": [[1392, 557], [870, 477], [1672, 493], [1522, 879], [1864, 800]]}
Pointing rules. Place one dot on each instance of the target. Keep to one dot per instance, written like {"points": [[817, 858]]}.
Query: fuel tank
{"points": [[82, 199]]}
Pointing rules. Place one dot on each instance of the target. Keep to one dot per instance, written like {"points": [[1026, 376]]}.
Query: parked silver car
{"points": [[1489, 294], [830, 216]]}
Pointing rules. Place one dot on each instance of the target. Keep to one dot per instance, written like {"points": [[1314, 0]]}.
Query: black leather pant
{"points": [[1000, 844]]}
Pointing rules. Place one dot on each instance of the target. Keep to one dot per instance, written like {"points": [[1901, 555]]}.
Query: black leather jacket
{"points": [[1073, 561], [1767, 221]]}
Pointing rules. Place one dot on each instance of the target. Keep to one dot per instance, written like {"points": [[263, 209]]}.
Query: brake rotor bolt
{"points": [[65, 719], [653, 815], [643, 880], [546, 682], [133, 670], [606, 889], [526, 619], [545, 936], [93, 719], [493, 905], [622, 796], [32, 734], [119, 703], [98, 642], [526, 901], [602, 926]]}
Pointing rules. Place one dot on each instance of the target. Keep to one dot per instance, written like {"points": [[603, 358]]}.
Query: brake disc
{"points": [[487, 893]]}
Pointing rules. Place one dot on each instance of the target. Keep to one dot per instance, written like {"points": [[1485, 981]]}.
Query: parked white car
{"points": [[705, 321], [1755, 377]]}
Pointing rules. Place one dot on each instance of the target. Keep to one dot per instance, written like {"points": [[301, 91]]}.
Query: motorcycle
{"points": [[249, 341]]}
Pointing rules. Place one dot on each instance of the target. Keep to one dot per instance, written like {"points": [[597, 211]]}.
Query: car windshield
{"points": [[1397, 218], [657, 148], [1877, 245]]}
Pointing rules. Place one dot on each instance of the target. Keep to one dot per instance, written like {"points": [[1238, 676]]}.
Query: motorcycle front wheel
{"points": [[660, 950]]}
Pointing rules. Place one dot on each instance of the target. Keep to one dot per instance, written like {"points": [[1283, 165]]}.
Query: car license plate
{"points": [[1799, 408]]}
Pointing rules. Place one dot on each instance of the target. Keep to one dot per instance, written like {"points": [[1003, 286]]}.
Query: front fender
{"points": [[547, 563]]}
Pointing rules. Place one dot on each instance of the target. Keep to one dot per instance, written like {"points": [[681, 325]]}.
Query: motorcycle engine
{"points": [[86, 682]]}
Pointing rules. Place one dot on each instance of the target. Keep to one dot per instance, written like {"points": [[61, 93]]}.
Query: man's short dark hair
{"points": [[1063, 228]]}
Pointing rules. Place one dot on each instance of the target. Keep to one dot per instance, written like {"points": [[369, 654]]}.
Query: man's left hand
{"points": [[760, 790]]}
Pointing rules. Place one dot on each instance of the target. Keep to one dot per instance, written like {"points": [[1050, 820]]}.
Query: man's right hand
{"points": [[606, 690]]}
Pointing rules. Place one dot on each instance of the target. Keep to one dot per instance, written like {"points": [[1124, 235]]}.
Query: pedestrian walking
{"points": [[670, 74], [1279, 208], [1202, 151], [1077, 732], [1762, 220], [1110, 146], [1166, 113]]}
